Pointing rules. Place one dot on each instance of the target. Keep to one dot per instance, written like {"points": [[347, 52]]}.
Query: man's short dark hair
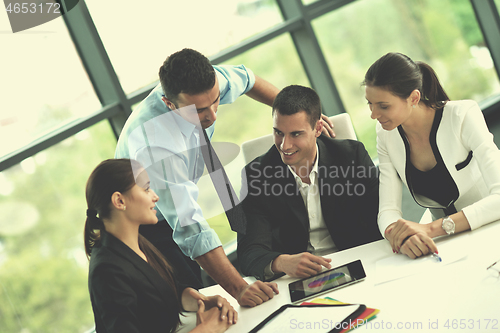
{"points": [[295, 98], [187, 71]]}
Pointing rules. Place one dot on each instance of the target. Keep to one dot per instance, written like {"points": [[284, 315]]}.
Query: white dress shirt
{"points": [[320, 241]]}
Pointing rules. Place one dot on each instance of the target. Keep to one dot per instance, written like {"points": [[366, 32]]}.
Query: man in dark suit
{"points": [[309, 195]]}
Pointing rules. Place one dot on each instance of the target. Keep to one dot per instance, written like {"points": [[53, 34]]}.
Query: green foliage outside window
{"points": [[43, 268]]}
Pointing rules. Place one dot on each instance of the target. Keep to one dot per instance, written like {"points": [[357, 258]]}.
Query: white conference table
{"points": [[458, 297]]}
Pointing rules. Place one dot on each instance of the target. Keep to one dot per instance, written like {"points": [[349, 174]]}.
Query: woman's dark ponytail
{"points": [[92, 231], [110, 176], [398, 74], [433, 94]]}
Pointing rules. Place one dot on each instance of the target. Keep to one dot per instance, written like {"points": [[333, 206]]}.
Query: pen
{"points": [[437, 256]]}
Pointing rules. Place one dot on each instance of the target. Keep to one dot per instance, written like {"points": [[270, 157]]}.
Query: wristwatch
{"points": [[448, 225]]}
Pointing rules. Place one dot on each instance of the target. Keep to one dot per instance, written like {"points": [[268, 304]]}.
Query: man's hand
{"points": [[327, 126], [410, 238], [300, 265], [221, 270], [257, 293]]}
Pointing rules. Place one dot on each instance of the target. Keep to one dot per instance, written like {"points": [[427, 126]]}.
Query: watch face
{"points": [[448, 225]]}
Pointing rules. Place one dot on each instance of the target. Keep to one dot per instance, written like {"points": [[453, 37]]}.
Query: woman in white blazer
{"points": [[440, 149], [132, 287]]}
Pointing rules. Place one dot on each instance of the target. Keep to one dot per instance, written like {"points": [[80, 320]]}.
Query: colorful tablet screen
{"points": [[326, 281]]}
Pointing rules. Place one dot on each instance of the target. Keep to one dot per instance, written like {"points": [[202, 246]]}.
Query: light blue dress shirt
{"points": [[168, 147]]}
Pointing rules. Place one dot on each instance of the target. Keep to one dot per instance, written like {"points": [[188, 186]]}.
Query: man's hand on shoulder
{"points": [[327, 126], [300, 265], [257, 293]]}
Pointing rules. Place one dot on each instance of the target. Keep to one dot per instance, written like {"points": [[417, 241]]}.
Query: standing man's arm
{"points": [[218, 266], [263, 91], [240, 79], [193, 234]]}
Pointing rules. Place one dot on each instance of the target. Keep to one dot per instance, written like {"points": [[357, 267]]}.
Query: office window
{"points": [[143, 34], [443, 33], [43, 268], [277, 62], [497, 4], [43, 83], [308, 2]]}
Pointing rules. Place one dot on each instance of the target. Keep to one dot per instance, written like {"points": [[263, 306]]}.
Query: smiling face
{"points": [[389, 109], [141, 200], [206, 104], [295, 139]]}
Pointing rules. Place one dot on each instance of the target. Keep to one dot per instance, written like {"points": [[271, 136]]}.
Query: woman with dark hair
{"points": [[440, 149], [131, 285]]}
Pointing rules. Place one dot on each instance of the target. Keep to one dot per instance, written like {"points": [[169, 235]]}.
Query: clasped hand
{"points": [[213, 310], [410, 238]]}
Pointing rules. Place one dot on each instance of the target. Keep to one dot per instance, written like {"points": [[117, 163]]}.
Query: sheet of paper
{"points": [[309, 319], [397, 266]]}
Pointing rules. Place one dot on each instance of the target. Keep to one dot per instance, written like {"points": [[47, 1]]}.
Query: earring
{"points": [[124, 208], [414, 106]]}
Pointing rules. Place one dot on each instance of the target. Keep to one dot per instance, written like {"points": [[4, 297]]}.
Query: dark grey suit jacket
{"points": [[278, 222], [127, 294]]}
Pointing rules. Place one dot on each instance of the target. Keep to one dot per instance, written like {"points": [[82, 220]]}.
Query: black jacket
{"points": [[127, 294]]}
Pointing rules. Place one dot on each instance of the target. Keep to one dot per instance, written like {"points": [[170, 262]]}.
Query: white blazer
{"points": [[461, 138]]}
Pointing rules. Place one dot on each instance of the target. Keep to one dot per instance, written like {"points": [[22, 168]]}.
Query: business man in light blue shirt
{"points": [[182, 164], [161, 135]]}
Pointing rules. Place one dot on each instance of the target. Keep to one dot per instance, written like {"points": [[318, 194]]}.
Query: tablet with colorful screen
{"points": [[326, 281]]}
